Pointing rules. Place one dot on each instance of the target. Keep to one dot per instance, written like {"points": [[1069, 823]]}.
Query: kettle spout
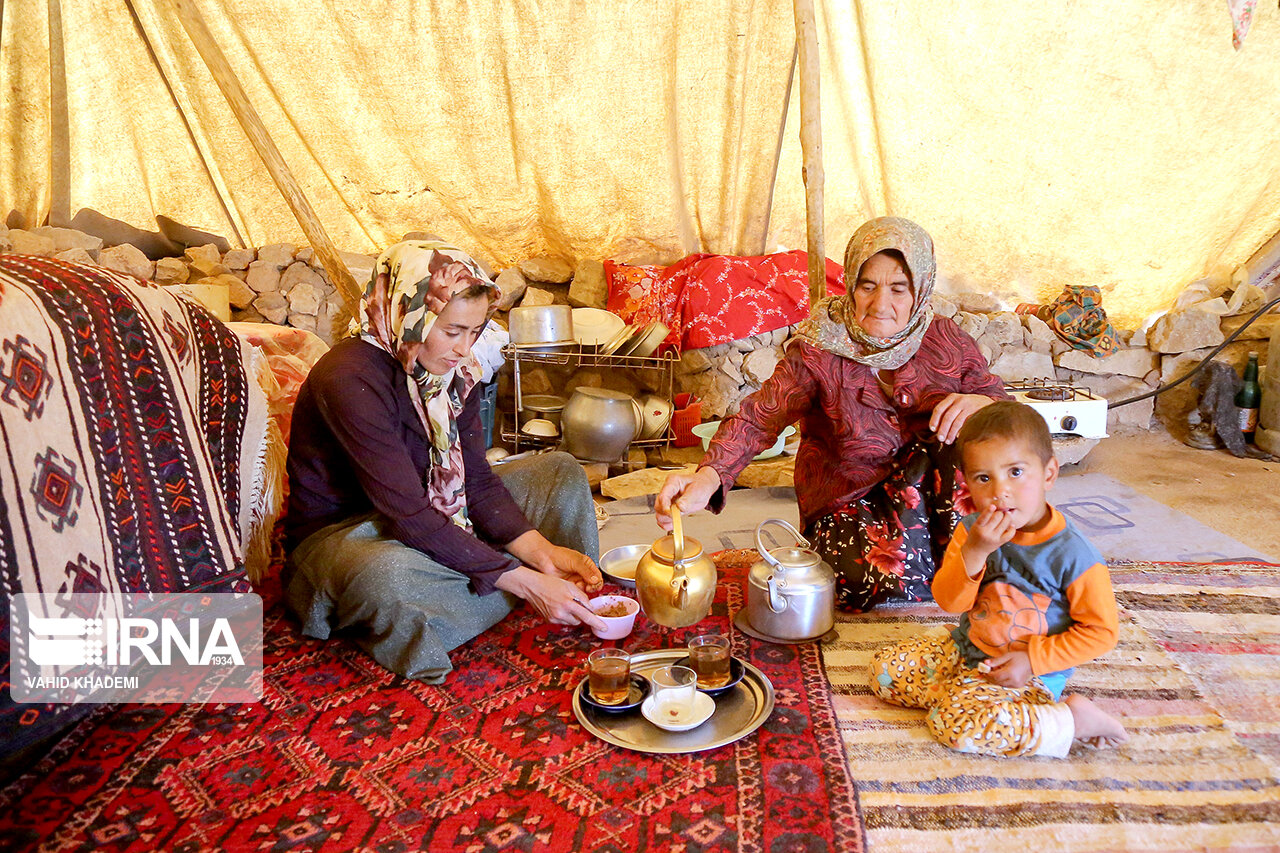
{"points": [[680, 592]]}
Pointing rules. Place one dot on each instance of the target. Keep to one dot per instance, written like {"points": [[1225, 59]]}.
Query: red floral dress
{"points": [[878, 496]]}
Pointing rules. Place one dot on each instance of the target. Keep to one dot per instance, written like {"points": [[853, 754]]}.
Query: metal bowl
{"points": [[546, 406], [533, 325], [619, 564]]}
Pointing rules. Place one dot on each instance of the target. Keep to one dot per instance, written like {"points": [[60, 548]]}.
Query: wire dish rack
{"points": [[575, 356]]}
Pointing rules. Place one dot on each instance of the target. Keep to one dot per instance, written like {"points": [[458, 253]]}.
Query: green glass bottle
{"points": [[1249, 397]]}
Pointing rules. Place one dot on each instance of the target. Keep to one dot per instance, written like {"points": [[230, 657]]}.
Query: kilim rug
{"points": [[1196, 681], [343, 755]]}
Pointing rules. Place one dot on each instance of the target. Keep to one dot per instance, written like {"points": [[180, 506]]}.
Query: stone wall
{"points": [[1020, 347], [285, 285], [278, 283]]}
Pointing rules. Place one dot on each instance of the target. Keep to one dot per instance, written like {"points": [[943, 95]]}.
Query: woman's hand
{"points": [[1010, 670], [556, 599], [949, 415], [578, 569], [687, 492], [536, 551]]}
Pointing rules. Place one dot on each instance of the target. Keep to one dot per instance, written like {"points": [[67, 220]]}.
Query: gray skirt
{"points": [[405, 609]]}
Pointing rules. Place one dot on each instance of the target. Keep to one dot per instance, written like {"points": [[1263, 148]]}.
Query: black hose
{"points": [[1203, 361]]}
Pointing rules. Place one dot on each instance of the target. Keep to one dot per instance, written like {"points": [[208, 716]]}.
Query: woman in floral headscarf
{"points": [[397, 528], [881, 387]]}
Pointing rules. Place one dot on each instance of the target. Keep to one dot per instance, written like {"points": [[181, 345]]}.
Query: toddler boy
{"points": [[1036, 599]]}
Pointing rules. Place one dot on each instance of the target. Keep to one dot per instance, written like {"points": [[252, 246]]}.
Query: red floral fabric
{"points": [[888, 543], [290, 354], [712, 299]]}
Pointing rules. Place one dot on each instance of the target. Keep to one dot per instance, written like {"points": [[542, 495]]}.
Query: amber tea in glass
{"points": [[709, 658], [609, 676]]}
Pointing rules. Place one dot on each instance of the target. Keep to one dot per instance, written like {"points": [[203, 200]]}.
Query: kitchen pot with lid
{"points": [[598, 424], [540, 325], [791, 591]]}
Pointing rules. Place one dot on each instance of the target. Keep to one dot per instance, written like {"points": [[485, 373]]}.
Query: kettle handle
{"points": [[764, 552], [777, 602], [679, 580]]}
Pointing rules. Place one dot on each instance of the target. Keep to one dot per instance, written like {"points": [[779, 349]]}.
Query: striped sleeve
{"points": [[1095, 625], [953, 589]]}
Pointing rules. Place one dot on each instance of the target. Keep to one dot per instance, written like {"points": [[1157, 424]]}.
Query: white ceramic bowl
{"points": [[708, 430], [616, 627], [595, 326], [655, 414], [540, 427]]}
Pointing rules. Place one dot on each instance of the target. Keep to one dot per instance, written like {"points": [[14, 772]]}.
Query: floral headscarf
{"points": [[831, 325], [396, 313]]}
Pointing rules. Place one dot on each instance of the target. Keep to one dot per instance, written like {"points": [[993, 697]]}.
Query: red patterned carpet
{"points": [[342, 755]]}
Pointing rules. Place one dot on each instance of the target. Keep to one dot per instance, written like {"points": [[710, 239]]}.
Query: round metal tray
{"points": [[739, 712]]}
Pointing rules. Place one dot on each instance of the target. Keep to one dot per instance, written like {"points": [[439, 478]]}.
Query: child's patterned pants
{"points": [[967, 712]]}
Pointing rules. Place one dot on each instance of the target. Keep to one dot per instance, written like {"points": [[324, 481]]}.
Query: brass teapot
{"points": [[675, 580]]}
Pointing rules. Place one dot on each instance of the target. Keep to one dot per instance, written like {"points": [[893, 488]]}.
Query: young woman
{"points": [[397, 528]]}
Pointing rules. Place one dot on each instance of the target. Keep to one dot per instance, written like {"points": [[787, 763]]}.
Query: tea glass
{"points": [[609, 676], [675, 689], [709, 658]]}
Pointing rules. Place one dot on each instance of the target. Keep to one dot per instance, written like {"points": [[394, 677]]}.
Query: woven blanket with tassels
{"points": [[134, 428]]}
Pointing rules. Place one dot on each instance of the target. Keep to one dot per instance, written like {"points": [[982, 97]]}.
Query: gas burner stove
{"points": [[1065, 408]]}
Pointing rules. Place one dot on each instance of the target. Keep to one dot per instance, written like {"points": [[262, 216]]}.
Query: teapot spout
{"points": [[680, 592]]}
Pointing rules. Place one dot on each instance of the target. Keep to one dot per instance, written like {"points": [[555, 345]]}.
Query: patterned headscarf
{"points": [[831, 325], [396, 313]]}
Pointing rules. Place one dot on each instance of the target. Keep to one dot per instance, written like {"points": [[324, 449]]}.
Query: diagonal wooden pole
{"points": [[811, 144], [248, 117]]}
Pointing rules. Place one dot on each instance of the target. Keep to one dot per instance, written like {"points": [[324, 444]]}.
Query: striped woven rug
{"points": [[1196, 680]]}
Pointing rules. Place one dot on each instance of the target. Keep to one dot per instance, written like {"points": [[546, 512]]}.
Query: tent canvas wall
{"points": [[1130, 147]]}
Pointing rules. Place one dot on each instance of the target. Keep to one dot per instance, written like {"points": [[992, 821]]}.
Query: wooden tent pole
{"points": [[248, 117], [811, 144]]}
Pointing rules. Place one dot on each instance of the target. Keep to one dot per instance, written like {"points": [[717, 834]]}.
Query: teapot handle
{"points": [[679, 580], [777, 602], [764, 552]]}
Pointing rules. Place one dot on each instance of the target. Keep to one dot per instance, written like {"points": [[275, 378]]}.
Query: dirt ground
{"points": [[1237, 497]]}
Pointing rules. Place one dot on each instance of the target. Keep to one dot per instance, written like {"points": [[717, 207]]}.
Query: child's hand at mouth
{"points": [[993, 527]]}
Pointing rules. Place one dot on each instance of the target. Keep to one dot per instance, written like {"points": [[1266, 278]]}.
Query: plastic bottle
{"points": [[1249, 397]]}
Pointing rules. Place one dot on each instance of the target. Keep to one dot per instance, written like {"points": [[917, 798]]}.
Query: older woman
{"points": [[397, 529], [881, 387]]}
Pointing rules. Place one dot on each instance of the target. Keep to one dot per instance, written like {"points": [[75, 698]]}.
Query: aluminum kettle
{"points": [[675, 580], [791, 592]]}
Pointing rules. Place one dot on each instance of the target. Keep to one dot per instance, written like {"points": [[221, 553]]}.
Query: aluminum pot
{"points": [[791, 593], [548, 406], [598, 424], [532, 325]]}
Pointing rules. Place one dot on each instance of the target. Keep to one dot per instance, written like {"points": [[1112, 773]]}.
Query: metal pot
{"points": [[598, 424], [791, 592], [533, 325], [548, 406], [675, 580]]}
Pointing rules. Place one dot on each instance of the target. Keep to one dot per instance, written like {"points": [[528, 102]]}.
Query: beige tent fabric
{"points": [[624, 128], [1129, 147]]}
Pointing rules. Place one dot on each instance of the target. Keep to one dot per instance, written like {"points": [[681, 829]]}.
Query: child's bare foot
{"points": [[1094, 726]]}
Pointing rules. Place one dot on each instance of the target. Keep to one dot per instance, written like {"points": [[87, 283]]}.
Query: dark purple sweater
{"points": [[357, 445]]}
